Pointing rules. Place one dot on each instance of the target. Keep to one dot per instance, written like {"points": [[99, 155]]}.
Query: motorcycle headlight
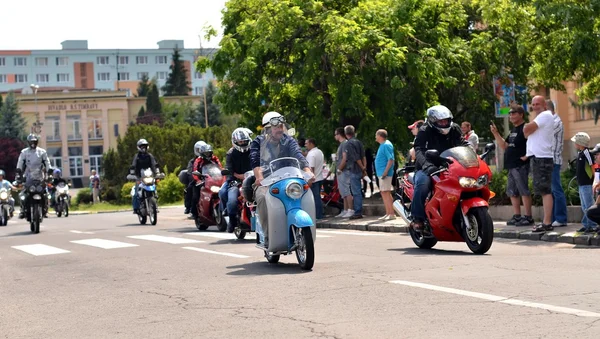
{"points": [[62, 190], [148, 181], [215, 189], [294, 190], [40, 188], [31, 188], [3, 195], [467, 182]]}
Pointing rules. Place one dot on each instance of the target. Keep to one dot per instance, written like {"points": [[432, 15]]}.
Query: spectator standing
{"points": [[384, 167], [343, 178], [593, 213], [540, 138], [470, 135], [369, 157], [316, 160], [95, 185], [356, 165], [559, 210], [585, 178], [517, 164]]}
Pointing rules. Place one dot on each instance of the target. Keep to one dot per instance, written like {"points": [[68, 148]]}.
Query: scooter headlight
{"points": [[294, 190], [3, 195], [215, 189], [467, 182], [148, 180]]}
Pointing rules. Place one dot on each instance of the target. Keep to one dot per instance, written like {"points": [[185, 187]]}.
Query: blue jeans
{"points": [[228, 197], [316, 190], [559, 211], [422, 189], [356, 189], [136, 200], [587, 200]]}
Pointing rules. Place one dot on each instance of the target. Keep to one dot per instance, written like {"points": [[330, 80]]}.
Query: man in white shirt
{"points": [[316, 161], [470, 135], [540, 140]]}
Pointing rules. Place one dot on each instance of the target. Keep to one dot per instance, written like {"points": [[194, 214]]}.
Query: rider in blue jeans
{"points": [[439, 133]]}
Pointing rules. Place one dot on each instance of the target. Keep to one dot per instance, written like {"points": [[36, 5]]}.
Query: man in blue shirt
{"points": [[384, 167]]}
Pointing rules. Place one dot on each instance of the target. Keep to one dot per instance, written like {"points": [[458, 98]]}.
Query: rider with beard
{"points": [[141, 161], [438, 133], [271, 145], [31, 162], [206, 156], [238, 163]]}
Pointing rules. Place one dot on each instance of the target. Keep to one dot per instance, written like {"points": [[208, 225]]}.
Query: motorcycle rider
{"points": [[238, 163], [439, 133], [31, 163], [190, 183], [206, 156], [273, 144], [6, 184], [141, 161], [56, 179]]}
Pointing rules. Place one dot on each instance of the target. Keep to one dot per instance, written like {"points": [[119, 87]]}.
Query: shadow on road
{"points": [[17, 234], [433, 251], [264, 268]]}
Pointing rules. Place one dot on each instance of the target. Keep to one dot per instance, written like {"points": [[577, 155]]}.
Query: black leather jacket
{"points": [[430, 138]]}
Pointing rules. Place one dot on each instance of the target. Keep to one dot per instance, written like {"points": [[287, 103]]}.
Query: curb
{"points": [[574, 238]]}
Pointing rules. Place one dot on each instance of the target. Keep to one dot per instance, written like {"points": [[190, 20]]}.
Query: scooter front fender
{"points": [[299, 218], [467, 204]]}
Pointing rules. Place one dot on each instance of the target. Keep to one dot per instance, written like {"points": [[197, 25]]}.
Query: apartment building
{"points": [[75, 66]]}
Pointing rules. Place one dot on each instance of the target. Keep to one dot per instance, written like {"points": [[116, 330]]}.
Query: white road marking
{"points": [[40, 249], [168, 240], [102, 243], [215, 252], [365, 233], [499, 299], [82, 232]]}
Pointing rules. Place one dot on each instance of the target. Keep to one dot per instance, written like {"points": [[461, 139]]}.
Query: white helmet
{"points": [[240, 139], [272, 119], [141, 143], [197, 146], [437, 114]]}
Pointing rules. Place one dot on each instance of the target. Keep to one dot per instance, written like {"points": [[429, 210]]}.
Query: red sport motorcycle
{"points": [[457, 208], [209, 207]]}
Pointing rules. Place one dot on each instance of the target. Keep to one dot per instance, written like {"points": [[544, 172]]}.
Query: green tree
{"points": [[12, 123], [214, 112], [179, 112], [141, 112], [0, 101], [177, 83], [145, 85]]}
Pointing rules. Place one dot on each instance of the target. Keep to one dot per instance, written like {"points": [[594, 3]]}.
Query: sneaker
{"points": [[356, 216], [514, 220], [391, 217], [341, 215], [542, 228], [383, 218], [187, 211], [525, 221], [348, 214], [559, 224]]}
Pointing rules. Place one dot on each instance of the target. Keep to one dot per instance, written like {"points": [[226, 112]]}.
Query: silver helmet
{"points": [[440, 118], [240, 139], [140, 145]]}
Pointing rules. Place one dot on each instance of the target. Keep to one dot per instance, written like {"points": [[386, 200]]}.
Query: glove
{"points": [[431, 169]]}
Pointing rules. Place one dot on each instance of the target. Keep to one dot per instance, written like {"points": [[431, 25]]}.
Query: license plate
{"points": [[37, 197]]}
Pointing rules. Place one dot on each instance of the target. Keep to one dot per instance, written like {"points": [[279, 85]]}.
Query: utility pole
{"points": [[204, 88]]}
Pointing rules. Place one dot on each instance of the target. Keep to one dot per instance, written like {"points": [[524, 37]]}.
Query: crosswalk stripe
{"points": [[215, 252], [40, 249], [168, 240], [102, 243], [82, 232]]}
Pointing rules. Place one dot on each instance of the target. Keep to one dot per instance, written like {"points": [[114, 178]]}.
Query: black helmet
{"points": [[440, 118], [32, 140]]}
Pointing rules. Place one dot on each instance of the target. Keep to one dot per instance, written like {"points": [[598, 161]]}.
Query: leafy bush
{"points": [[110, 194], [84, 196], [126, 191], [170, 189]]}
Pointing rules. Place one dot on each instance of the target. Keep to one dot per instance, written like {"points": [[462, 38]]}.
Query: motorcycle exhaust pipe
{"points": [[401, 211]]}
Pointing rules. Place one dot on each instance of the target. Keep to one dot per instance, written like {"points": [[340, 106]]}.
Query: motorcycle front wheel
{"points": [[305, 253], [480, 236], [218, 216], [4, 220], [239, 233], [36, 216], [153, 210]]}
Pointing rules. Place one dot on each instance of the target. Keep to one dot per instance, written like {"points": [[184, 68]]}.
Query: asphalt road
{"points": [[172, 281]]}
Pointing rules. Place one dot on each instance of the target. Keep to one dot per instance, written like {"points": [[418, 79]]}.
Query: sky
{"points": [[107, 24]]}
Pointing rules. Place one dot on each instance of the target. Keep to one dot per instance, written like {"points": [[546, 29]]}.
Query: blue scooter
{"points": [[291, 214]]}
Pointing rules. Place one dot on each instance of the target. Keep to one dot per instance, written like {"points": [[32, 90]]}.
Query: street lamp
{"points": [[37, 125]]}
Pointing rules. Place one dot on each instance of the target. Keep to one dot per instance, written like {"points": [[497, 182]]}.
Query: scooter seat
{"points": [[411, 178]]}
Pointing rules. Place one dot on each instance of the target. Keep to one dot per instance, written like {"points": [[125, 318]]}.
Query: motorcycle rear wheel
{"points": [[218, 216], [199, 225], [482, 222]]}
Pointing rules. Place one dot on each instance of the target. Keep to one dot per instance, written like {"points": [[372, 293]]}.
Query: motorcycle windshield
{"points": [[213, 171], [284, 168], [464, 155]]}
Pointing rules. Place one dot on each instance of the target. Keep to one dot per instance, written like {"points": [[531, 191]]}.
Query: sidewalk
{"points": [[567, 234]]}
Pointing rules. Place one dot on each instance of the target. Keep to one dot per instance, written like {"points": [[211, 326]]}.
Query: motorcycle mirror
{"points": [[225, 172], [490, 147], [196, 173]]}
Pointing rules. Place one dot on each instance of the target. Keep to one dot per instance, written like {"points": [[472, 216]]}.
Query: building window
{"points": [[62, 61], [161, 75], [20, 78], [102, 60], [2, 61], [161, 59], [141, 75], [116, 129], [21, 62], [141, 60], [41, 61], [73, 128], [62, 77], [198, 90], [123, 76], [52, 130], [2, 78], [42, 78], [96, 159], [55, 156], [123, 60], [95, 129], [75, 162], [197, 75], [103, 76]]}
